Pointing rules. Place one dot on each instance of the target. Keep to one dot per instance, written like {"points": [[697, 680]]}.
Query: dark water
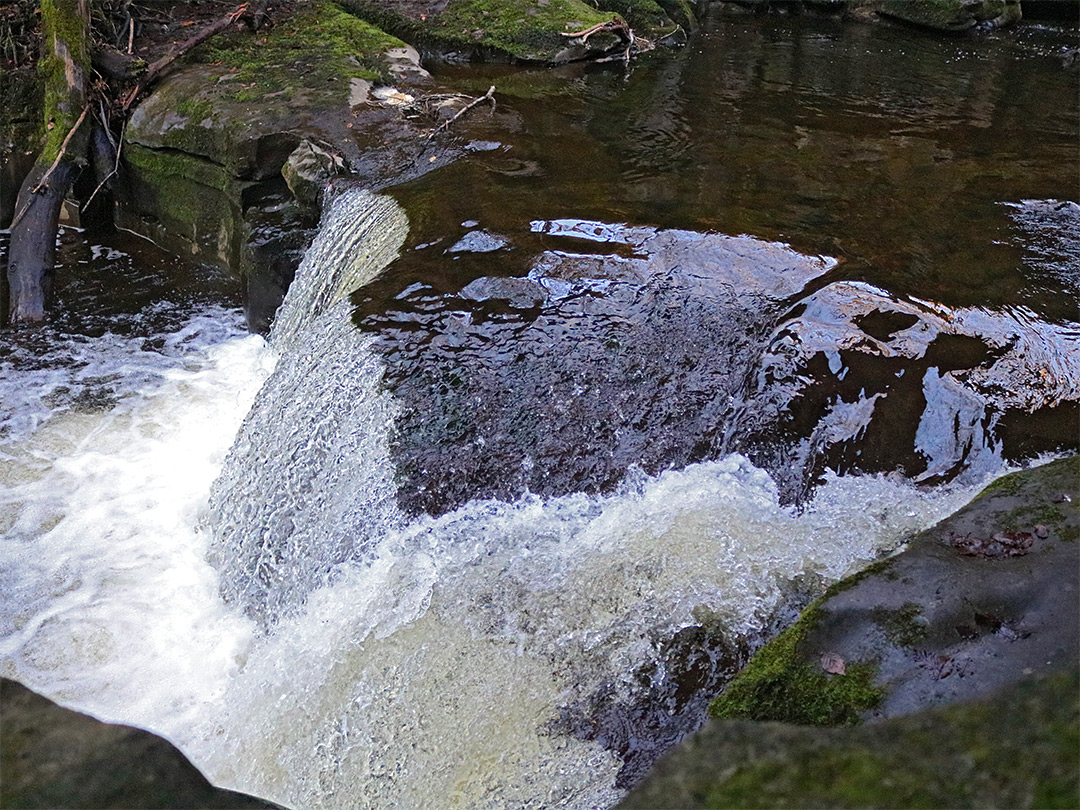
{"points": [[907, 157]]}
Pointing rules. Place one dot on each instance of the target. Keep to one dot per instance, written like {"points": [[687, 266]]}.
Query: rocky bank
{"points": [[955, 665]]}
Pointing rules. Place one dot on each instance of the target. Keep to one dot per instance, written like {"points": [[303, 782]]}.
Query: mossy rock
{"points": [[953, 15], [185, 204], [245, 101], [955, 616], [1018, 748], [214, 135], [53, 757], [507, 30]]}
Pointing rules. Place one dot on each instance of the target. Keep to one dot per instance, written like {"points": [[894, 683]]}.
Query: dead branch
{"points": [[178, 49], [60, 155], [116, 165], [48, 173], [615, 25], [488, 96]]}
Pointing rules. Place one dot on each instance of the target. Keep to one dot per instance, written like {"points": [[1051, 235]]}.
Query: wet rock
{"points": [[53, 757], [214, 137], [1014, 748], [942, 622], [619, 347], [508, 30], [308, 169], [953, 15]]}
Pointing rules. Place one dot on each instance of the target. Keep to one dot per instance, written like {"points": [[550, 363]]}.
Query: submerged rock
{"points": [[953, 15], [53, 757], [620, 347]]}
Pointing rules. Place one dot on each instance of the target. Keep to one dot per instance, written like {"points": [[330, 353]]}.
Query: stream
{"points": [[545, 442]]}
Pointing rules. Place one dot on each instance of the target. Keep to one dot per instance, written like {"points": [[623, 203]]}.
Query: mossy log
{"points": [[64, 65]]}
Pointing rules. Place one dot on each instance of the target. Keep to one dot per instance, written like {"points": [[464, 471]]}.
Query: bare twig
{"points": [[615, 25], [180, 48], [60, 154], [116, 166], [488, 96]]}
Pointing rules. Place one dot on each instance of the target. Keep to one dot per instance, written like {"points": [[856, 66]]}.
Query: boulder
{"points": [[983, 599], [204, 153], [508, 30], [953, 16], [52, 757], [1016, 748], [948, 674]]}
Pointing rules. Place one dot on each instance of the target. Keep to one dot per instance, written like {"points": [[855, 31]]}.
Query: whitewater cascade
{"points": [[496, 655], [303, 638]]}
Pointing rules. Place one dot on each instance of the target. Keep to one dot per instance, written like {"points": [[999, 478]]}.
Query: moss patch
{"points": [[520, 28], [778, 684], [317, 44], [904, 626], [1018, 748], [62, 22]]}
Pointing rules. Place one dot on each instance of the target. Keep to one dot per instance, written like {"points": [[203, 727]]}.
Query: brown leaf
{"points": [[831, 662]]}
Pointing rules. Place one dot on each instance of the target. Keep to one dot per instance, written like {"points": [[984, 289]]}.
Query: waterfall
{"points": [[308, 483], [505, 654]]}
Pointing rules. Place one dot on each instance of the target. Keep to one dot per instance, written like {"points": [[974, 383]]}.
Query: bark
{"points": [[65, 63]]}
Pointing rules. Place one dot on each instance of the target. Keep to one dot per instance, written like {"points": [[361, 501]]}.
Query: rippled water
{"points": [[498, 524]]}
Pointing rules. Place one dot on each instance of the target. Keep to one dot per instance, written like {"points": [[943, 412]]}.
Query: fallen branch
{"points": [[180, 48], [63, 150], [615, 25], [488, 96]]}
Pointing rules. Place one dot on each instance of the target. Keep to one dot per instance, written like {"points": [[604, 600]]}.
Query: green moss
{"points": [[520, 28], [1018, 748], [61, 20], [880, 568], [173, 164], [643, 15], [196, 108], [901, 626], [779, 685], [318, 44], [833, 777]]}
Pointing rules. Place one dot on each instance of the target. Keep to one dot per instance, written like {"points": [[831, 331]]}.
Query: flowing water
{"points": [[542, 446]]}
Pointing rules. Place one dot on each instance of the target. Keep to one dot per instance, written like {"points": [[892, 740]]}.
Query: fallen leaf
{"points": [[831, 662]]}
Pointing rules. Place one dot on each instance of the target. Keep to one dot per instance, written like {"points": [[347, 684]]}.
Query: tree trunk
{"points": [[65, 63]]}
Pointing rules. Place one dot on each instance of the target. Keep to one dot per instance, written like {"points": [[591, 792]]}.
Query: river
{"points": [[670, 350]]}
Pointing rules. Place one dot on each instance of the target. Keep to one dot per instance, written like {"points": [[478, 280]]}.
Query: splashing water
{"points": [[412, 662]]}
